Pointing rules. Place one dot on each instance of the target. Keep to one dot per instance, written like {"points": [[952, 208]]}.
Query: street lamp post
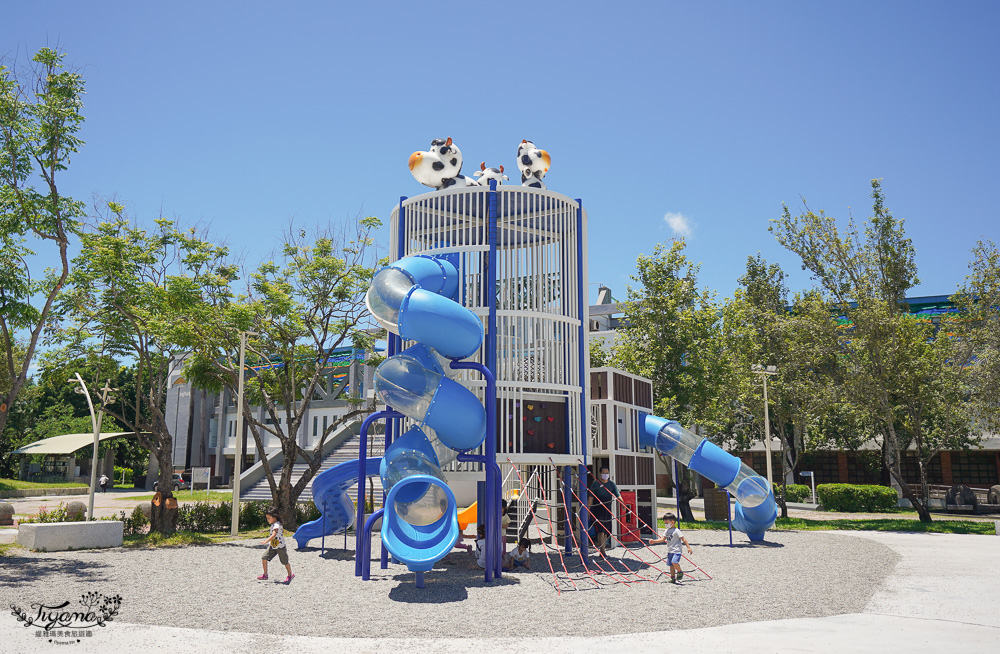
{"points": [[238, 454], [758, 369], [95, 420]]}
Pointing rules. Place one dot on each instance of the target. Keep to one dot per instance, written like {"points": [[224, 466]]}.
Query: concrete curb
{"points": [[38, 492]]}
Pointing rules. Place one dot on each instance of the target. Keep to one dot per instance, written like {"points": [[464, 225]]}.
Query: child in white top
{"points": [[673, 537]]}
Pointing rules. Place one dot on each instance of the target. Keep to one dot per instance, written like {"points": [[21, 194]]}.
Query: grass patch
{"points": [[15, 484], [890, 524], [187, 538], [187, 496], [7, 549], [865, 524]]}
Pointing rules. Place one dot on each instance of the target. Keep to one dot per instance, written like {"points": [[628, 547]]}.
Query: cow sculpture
{"points": [[534, 163], [486, 174], [440, 166]]}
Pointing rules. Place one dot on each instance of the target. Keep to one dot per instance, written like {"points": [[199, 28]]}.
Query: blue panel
{"points": [[457, 416], [715, 463], [440, 323], [649, 427], [420, 547]]}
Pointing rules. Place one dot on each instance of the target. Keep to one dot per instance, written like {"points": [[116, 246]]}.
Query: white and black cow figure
{"points": [[486, 174], [534, 163], [440, 166]]}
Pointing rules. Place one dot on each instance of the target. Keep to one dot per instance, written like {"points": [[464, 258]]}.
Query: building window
{"points": [[315, 425], [325, 418], [975, 468]]}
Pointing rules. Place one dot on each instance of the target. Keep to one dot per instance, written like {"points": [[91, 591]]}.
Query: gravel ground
{"points": [[795, 574]]}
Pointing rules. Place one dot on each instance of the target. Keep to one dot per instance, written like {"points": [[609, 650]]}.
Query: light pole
{"points": [[95, 420], [758, 369], [238, 454]]}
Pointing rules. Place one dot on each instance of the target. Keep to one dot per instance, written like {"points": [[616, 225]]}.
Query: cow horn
{"points": [[501, 169], [482, 166], [448, 142], [524, 140]]}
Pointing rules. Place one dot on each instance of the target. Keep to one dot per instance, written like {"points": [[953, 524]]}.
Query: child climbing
{"points": [[275, 542], [673, 537]]}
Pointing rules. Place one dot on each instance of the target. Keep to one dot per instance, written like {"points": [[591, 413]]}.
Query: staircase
{"points": [[346, 451]]}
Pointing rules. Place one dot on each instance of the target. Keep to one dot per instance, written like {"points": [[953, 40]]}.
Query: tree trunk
{"points": [[686, 495], [163, 511], [922, 512]]}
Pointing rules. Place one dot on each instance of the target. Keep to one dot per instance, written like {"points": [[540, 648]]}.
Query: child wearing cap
{"points": [[275, 542], [673, 537]]}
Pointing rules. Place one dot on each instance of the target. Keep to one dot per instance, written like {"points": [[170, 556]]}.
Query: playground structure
{"points": [[487, 365]]}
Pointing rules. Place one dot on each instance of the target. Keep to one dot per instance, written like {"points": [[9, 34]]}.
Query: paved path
{"points": [[942, 596]]}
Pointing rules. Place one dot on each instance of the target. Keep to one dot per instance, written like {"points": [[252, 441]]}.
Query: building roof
{"points": [[68, 443]]}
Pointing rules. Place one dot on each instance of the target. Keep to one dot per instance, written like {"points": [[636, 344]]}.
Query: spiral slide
{"points": [[329, 489], [755, 507], [415, 298]]}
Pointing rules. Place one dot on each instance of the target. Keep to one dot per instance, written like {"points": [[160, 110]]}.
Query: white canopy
{"points": [[68, 443]]}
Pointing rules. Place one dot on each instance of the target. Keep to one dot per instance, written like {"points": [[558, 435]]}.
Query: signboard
{"points": [[202, 476]]}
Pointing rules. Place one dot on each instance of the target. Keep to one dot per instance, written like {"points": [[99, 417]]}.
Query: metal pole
{"points": [[238, 454], [97, 435], [767, 437]]}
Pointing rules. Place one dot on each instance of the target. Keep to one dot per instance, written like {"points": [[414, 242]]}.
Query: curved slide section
{"points": [[415, 298], [329, 490], [755, 507]]}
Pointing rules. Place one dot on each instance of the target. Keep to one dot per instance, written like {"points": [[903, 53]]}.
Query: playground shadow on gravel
{"points": [[31, 569], [452, 585], [743, 545]]}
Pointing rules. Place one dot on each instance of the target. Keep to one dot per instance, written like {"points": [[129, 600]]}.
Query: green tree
{"points": [[129, 294], [896, 376], [39, 120], [671, 333], [307, 303]]}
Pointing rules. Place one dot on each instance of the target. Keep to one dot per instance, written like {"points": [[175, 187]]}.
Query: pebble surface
{"points": [[793, 574]]}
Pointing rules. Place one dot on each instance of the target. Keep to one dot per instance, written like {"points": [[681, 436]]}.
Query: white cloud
{"points": [[681, 225]]}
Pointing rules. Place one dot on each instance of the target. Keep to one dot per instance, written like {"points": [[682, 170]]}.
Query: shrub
{"points": [[852, 498], [793, 492], [129, 476], [57, 514]]}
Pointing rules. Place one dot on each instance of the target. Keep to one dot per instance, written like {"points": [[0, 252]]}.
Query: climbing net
{"points": [[591, 572]]}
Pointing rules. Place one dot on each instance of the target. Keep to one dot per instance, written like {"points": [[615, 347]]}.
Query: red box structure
{"points": [[628, 512]]}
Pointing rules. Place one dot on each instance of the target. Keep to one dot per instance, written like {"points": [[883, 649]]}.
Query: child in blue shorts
{"points": [[673, 537]]}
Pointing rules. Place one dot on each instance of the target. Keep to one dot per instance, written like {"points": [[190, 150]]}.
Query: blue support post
{"points": [[393, 347], [584, 354], [367, 542], [568, 506], [584, 512], [359, 521], [491, 506], [322, 541], [677, 493]]}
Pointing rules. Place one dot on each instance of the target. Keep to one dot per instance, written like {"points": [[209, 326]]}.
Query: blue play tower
{"points": [[487, 361]]}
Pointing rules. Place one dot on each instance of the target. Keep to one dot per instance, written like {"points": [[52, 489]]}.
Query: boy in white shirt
{"points": [[673, 537], [275, 546]]}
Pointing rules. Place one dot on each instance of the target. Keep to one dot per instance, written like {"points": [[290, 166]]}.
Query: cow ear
{"points": [[482, 166], [448, 142], [501, 169]]}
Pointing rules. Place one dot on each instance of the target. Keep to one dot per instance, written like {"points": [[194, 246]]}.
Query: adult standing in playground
{"points": [[602, 492]]}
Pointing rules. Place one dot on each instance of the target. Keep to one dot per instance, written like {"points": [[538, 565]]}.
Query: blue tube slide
{"points": [[415, 298], [329, 489], [755, 508]]}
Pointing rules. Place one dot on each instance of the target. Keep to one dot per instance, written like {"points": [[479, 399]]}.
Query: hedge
{"points": [[793, 492], [852, 498]]}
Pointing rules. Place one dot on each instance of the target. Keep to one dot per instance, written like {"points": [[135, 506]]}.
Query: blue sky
{"points": [[664, 117]]}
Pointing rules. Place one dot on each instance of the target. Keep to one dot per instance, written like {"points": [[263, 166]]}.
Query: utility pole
{"points": [[758, 369], [238, 454]]}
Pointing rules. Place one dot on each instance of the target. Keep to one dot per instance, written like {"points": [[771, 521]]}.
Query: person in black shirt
{"points": [[602, 491]]}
